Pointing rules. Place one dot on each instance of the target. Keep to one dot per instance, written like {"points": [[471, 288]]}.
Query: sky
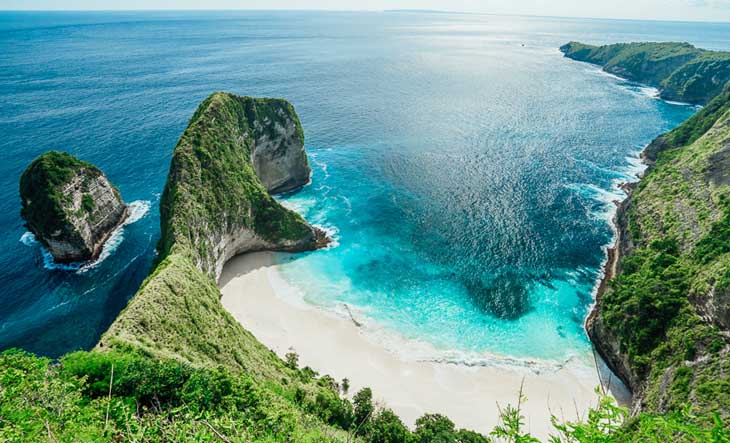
{"points": [[701, 10]]}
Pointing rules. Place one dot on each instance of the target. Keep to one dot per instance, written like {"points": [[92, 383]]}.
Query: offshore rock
{"points": [[70, 206]]}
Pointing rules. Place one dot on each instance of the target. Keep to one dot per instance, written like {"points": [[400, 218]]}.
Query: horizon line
{"points": [[413, 11]]}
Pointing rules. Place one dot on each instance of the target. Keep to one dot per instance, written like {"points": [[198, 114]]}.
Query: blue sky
{"points": [[708, 10]]}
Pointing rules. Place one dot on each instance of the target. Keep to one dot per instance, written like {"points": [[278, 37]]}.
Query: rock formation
{"points": [[70, 206], [215, 200], [216, 205]]}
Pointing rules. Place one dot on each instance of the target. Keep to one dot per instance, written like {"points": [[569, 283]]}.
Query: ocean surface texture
{"points": [[466, 169]]}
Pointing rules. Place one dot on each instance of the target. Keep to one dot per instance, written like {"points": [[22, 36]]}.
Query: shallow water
{"points": [[466, 168]]}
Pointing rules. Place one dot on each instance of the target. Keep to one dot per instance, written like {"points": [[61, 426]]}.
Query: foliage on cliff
{"points": [[667, 305], [41, 186], [680, 71]]}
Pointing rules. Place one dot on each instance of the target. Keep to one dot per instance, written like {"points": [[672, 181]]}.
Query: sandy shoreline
{"points": [[337, 346]]}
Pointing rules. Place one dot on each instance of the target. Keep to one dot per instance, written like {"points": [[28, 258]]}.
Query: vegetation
{"points": [[40, 189], [694, 128], [681, 71], [666, 306], [127, 396]]}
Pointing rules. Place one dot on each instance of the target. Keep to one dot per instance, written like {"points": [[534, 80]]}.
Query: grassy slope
{"points": [[681, 71], [663, 304]]}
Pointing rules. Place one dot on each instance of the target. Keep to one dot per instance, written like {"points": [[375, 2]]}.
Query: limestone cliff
{"points": [[70, 206], [215, 203], [215, 206]]}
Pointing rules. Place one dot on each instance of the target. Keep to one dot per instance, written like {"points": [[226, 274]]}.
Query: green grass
{"points": [[127, 396]]}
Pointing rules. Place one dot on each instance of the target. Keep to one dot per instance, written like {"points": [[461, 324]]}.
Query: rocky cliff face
{"points": [[278, 155], [70, 206]]}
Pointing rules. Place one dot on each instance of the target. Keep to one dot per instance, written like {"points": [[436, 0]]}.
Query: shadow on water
{"points": [[504, 296]]}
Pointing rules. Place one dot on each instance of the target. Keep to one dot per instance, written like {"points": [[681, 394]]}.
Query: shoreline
{"points": [[470, 395]]}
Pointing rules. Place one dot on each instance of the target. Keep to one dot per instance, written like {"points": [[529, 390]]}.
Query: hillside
{"points": [[662, 320]]}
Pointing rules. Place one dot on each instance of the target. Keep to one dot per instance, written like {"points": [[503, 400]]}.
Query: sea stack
{"points": [[70, 206]]}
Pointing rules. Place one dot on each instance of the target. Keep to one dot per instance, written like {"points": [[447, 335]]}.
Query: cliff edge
{"points": [[70, 206]]}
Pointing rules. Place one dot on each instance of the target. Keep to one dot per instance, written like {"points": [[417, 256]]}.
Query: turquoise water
{"points": [[465, 168]]}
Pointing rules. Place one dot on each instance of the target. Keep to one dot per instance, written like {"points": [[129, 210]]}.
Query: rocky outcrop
{"points": [[278, 155], [70, 206], [216, 205]]}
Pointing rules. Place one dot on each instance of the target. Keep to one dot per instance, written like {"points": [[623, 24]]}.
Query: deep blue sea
{"points": [[466, 169]]}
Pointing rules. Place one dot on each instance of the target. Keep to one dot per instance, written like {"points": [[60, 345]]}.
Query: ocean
{"points": [[466, 170]]}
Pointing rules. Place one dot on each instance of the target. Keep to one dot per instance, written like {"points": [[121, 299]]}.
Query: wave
{"points": [[137, 210], [332, 233], [414, 349]]}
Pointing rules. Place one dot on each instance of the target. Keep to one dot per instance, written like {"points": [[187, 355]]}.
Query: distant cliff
{"points": [[662, 317], [680, 71], [70, 206]]}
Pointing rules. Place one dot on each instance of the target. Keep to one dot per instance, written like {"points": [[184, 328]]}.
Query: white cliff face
{"points": [[278, 155], [92, 209]]}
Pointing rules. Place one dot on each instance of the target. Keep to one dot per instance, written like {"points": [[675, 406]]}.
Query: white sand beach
{"points": [[468, 395]]}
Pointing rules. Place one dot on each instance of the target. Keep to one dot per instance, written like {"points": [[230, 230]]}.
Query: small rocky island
{"points": [[70, 206]]}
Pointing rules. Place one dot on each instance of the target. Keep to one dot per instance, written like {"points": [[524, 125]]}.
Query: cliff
{"points": [[215, 204], [662, 317], [70, 206], [680, 71]]}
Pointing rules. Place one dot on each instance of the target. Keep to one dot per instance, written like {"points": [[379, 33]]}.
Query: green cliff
{"points": [[70, 206], [213, 207], [680, 71], [662, 319]]}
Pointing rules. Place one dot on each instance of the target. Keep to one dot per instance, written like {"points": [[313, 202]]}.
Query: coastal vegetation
{"points": [[662, 321]]}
